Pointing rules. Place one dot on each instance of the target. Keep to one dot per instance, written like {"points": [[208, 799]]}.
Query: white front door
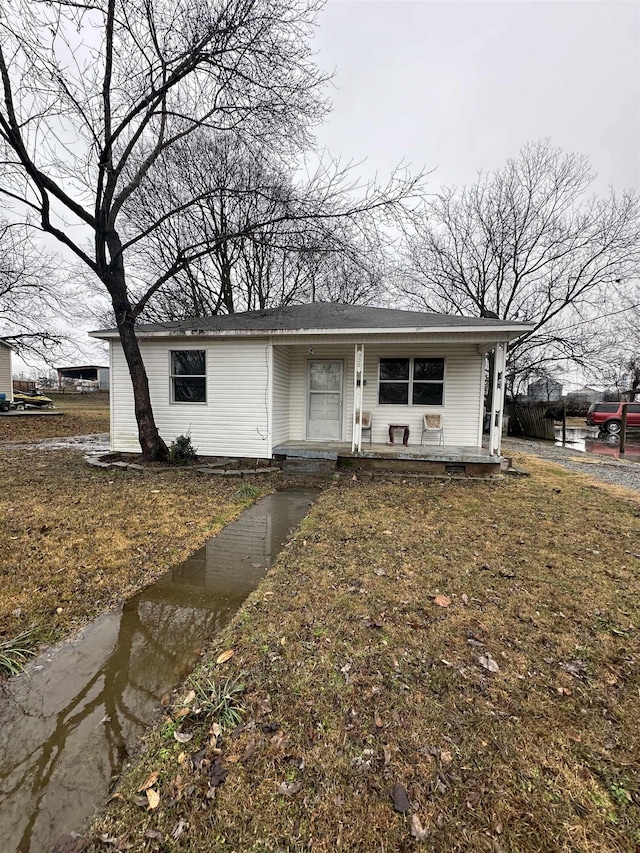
{"points": [[324, 418]]}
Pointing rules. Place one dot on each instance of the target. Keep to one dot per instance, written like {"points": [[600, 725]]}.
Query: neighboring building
{"points": [[6, 384], [584, 395], [544, 391], [243, 384], [87, 376]]}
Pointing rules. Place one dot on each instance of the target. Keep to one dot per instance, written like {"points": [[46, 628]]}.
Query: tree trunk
{"points": [[153, 447]]}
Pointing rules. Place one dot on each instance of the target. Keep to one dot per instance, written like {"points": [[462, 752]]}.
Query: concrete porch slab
{"points": [[435, 453]]}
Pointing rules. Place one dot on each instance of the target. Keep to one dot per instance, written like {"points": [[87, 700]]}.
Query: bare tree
{"points": [[95, 93], [526, 243], [29, 295], [257, 237]]}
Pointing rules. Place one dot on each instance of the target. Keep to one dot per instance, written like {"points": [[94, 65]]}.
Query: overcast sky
{"points": [[461, 86]]}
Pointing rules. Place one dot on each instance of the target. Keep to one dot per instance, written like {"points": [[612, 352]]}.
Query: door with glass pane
{"points": [[324, 411]]}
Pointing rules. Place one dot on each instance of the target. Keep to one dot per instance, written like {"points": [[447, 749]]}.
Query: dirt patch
{"points": [[77, 540], [83, 414], [451, 666]]}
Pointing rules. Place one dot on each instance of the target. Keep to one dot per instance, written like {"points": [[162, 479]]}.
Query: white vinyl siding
{"points": [[461, 412], [6, 380], [248, 384], [234, 420], [280, 391]]}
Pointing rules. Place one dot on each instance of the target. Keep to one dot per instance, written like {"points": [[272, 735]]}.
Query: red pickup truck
{"points": [[608, 416]]}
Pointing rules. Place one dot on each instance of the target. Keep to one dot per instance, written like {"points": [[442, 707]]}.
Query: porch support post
{"points": [[497, 398], [358, 373]]}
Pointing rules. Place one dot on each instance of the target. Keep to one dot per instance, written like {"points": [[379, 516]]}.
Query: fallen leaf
{"points": [[378, 720], [441, 600], [217, 774], [417, 830], [488, 663], [446, 757], [179, 829], [473, 799], [166, 699], [387, 756], [154, 835], [183, 712], [249, 751], [116, 796], [576, 668], [182, 737], [289, 788], [225, 656], [188, 699], [153, 798], [150, 781], [400, 798], [564, 691]]}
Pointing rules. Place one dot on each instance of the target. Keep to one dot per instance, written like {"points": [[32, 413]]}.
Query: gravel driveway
{"points": [[607, 469]]}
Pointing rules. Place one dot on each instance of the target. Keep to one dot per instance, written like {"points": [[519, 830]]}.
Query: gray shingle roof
{"points": [[320, 316]]}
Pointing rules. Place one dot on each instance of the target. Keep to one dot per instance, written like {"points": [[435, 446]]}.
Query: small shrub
{"points": [[182, 451], [220, 700], [247, 492]]}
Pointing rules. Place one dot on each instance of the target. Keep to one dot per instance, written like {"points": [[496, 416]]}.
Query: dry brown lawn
{"points": [[83, 414], [475, 644], [76, 540]]}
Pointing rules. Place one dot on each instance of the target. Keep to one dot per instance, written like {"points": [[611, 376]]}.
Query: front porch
{"points": [[448, 460]]}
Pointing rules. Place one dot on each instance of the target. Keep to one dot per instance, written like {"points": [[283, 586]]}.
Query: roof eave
{"points": [[506, 331]]}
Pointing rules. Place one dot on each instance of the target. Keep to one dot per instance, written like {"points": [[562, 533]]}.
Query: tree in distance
{"points": [[97, 94], [528, 243]]}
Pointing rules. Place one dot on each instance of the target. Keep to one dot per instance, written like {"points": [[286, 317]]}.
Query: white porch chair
{"points": [[366, 422], [432, 425]]}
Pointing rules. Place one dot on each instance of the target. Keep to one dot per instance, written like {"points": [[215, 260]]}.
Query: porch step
{"points": [[309, 465]]}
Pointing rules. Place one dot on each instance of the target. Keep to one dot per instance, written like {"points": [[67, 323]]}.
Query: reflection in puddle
{"points": [[590, 440], [67, 727]]}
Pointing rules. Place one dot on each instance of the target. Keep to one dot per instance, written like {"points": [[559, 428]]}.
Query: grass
{"points": [[361, 658], [83, 414], [15, 652], [76, 540]]}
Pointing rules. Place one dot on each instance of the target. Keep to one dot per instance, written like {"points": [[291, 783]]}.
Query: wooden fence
{"points": [[530, 421]]}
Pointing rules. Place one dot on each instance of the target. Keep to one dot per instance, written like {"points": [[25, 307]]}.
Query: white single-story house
{"points": [[6, 380], [242, 385]]}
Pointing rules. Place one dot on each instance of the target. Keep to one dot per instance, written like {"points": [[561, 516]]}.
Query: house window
{"points": [[188, 376], [416, 380]]}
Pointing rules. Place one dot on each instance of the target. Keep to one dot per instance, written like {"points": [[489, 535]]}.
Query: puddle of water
{"points": [[68, 725], [591, 440], [96, 443]]}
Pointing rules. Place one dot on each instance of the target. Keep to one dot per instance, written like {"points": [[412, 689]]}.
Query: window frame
{"points": [[410, 381], [173, 376]]}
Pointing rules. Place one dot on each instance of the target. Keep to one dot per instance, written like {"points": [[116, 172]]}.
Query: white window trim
{"points": [[410, 380], [172, 376]]}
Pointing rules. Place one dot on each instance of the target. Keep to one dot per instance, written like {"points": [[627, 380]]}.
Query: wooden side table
{"points": [[405, 434]]}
